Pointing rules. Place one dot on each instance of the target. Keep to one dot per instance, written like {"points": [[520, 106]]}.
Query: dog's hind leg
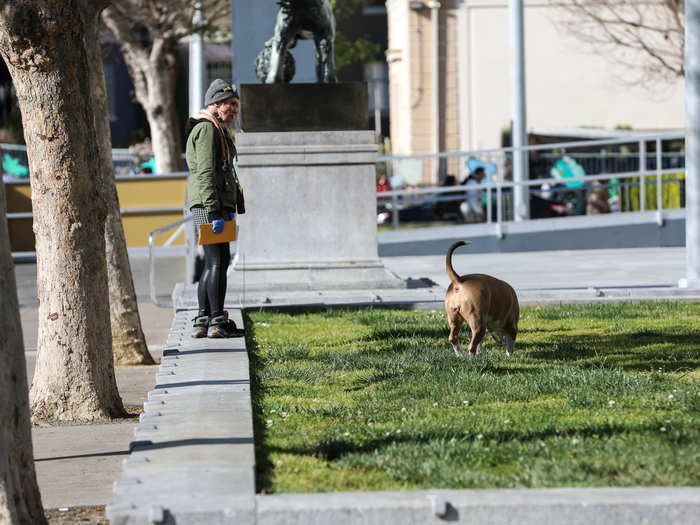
{"points": [[455, 322], [478, 331], [325, 68]]}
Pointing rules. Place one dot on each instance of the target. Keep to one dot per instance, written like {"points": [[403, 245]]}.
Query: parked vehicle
{"points": [[415, 213], [540, 207]]}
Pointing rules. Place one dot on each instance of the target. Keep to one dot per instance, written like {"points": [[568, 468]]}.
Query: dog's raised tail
{"points": [[448, 261]]}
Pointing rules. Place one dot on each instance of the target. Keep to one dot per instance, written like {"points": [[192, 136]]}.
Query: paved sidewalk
{"points": [[559, 275], [557, 269], [77, 464], [539, 278]]}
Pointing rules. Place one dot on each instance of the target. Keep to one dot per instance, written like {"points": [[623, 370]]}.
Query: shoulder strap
{"points": [[210, 118], [204, 113]]}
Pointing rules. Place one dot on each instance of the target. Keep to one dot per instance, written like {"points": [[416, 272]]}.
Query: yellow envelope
{"points": [[207, 235]]}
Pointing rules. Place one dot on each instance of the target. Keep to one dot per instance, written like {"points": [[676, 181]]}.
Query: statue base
{"points": [[304, 107], [311, 213]]}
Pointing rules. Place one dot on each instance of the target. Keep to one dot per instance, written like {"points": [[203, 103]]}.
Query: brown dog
{"points": [[485, 303]]}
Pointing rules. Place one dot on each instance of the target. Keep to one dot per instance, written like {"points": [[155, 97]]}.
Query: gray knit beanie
{"points": [[219, 90]]}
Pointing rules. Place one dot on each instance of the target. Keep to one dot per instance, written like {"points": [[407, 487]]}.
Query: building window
{"points": [[220, 70], [374, 7]]}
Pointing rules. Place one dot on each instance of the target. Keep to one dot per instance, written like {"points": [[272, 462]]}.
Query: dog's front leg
{"points": [[276, 62], [510, 345], [285, 29]]}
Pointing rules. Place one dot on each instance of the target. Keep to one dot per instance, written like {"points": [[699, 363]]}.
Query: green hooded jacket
{"points": [[209, 184]]}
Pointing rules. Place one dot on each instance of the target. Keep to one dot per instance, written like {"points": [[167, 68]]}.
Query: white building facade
{"points": [[568, 85]]}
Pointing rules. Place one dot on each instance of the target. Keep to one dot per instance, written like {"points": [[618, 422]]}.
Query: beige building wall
{"points": [[411, 69], [397, 56], [568, 85]]}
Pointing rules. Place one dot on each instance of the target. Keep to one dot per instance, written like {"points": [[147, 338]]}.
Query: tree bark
{"points": [[20, 501], [128, 342], [159, 104], [153, 72], [44, 46]]}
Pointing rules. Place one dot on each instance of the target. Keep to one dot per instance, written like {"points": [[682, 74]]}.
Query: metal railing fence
{"points": [[653, 176], [180, 225], [644, 169], [126, 160], [609, 162]]}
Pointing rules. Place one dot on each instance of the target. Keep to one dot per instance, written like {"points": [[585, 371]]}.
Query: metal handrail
{"points": [[151, 176], [428, 194], [530, 182], [536, 147], [394, 196], [151, 262]]}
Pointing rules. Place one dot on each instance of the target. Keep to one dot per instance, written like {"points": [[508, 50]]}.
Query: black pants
{"points": [[211, 291]]}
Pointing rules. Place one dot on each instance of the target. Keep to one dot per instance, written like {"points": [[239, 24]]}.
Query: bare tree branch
{"points": [[643, 36], [149, 32]]}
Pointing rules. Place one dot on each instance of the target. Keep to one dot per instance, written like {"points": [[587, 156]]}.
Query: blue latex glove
{"points": [[217, 225]]}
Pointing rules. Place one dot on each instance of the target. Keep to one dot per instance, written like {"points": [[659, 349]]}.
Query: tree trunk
{"points": [[162, 115], [149, 33], [151, 57], [128, 342], [20, 501], [153, 73], [44, 46]]}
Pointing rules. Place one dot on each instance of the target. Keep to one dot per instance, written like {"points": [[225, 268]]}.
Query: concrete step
{"points": [[192, 458]]}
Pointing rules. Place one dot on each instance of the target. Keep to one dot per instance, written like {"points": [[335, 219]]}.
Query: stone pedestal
{"points": [[304, 107], [310, 222]]}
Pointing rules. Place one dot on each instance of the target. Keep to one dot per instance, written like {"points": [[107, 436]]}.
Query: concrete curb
{"points": [[192, 458], [604, 506]]}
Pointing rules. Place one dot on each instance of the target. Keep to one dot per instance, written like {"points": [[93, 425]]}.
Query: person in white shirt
{"points": [[472, 207]]}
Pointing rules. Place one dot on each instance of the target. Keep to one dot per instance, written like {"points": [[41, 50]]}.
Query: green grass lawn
{"points": [[595, 395]]}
